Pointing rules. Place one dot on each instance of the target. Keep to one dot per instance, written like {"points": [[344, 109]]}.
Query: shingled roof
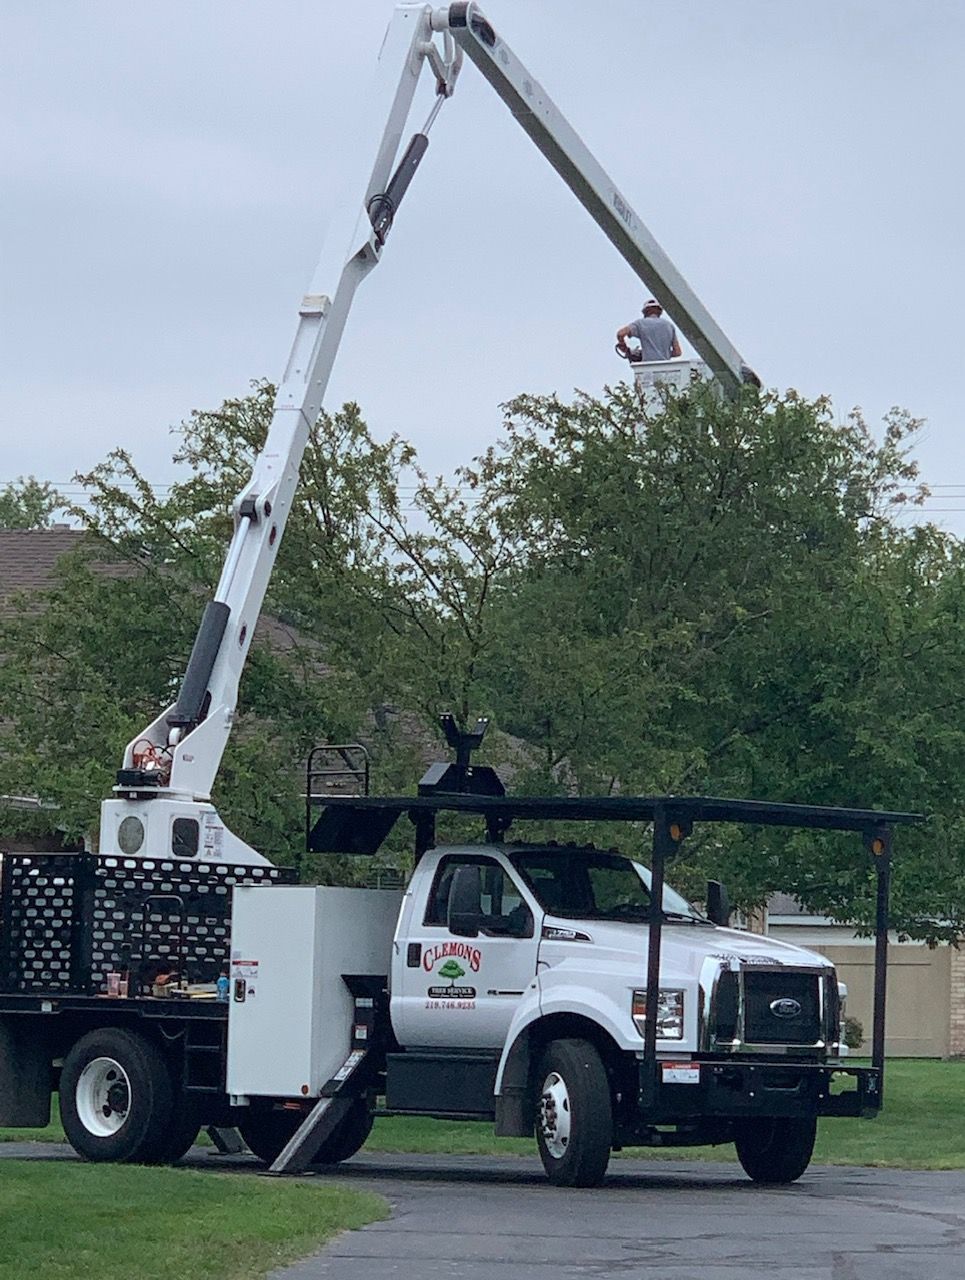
{"points": [[28, 558]]}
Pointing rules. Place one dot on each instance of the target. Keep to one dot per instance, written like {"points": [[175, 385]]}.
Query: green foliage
{"points": [[852, 1032], [716, 598], [452, 970], [28, 504]]}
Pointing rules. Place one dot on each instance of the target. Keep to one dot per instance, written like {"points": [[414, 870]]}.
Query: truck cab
{"points": [[550, 926], [511, 959]]}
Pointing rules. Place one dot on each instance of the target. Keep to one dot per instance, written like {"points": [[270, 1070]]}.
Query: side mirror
{"points": [[463, 914], [718, 903]]}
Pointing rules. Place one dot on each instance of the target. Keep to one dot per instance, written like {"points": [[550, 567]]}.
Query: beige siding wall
{"points": [[956, 1037], [921, 1020]]}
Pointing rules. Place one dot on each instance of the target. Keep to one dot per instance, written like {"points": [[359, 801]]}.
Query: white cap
{"points": [[652, 302]]}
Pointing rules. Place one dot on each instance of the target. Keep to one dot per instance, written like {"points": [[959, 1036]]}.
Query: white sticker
{"points": [[213, 836], [349, 1065], [681, 1072]]}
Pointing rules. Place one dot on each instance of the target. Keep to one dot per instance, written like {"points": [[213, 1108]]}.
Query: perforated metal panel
{"points": [[39, 893], [70, 919]]}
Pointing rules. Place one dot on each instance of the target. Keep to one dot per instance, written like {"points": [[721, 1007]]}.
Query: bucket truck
{"points": [[176, 978]]}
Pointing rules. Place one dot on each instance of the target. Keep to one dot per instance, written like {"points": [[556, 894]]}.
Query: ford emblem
{"points": [[785, 1008]]}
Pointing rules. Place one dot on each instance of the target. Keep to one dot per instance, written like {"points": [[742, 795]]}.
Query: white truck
{"points": [[560, 990], [510, 982]]}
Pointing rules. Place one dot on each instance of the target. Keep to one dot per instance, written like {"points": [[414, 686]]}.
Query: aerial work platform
{"points": [[654, 377]]}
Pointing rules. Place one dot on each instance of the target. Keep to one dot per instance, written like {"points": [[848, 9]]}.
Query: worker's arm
{"points": [[675, 346], [622, 335]]}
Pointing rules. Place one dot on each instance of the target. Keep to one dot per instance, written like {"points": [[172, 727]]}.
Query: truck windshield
{"points": [[586, 884]]}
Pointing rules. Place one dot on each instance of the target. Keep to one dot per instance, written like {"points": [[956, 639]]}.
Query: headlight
{"points": [[670, 1013]]}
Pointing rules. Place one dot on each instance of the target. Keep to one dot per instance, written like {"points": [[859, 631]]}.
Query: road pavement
{"points": [[479, 1218], [468, 1218]]}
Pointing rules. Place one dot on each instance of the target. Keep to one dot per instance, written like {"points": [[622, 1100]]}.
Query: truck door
{"points": [[458, 992]]}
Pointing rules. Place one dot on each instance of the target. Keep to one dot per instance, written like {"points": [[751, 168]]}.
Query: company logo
{"points": [[457, 950], [785, 1008], [452, 970]]}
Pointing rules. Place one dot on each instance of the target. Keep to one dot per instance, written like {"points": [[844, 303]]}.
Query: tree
{"points": [[29, 504], [106, 646], [720, 600], [715, 597]]}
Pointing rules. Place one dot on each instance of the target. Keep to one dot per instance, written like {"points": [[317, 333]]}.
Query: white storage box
{"points": [[290, 1014]]}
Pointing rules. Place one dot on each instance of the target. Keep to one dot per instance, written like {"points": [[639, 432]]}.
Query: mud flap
{"points": [[25, 1076]]}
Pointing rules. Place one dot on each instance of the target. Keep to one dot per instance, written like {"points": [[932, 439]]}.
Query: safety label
{"points": [[680, 1072]]}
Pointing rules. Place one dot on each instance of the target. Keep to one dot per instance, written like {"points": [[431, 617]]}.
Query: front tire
{"points": [[574, 1114], [116, 1098], [775, 1150]]}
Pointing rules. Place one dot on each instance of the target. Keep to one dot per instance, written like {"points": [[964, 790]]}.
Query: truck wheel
{"points": [[775, 1150], [116, 1098], [349, 1135], [268, 1133], [184, 1129], [574, 1115]]}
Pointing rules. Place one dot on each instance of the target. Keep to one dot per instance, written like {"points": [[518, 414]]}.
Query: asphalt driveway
{"points": [[477, 1218], [470, 1218]]}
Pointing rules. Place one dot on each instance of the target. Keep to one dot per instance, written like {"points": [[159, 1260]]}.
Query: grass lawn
{"points": [[922, 1126], [111, 1222]]}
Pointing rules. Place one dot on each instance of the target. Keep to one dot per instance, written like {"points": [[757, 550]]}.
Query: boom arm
{"points": [[171, 766], [184, 745], [596, 191]]}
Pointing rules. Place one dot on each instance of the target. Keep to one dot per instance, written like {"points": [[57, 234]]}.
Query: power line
{"points": [[76, 494]]}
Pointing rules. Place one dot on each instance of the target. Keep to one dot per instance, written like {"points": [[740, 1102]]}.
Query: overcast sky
{"points": [[168, 171]]}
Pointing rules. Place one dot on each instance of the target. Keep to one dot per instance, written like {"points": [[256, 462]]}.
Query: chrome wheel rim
{"points": [[103, 1097], [554, 1115]]}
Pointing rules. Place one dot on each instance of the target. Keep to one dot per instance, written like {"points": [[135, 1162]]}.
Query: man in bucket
{"points": [[656, 335]]}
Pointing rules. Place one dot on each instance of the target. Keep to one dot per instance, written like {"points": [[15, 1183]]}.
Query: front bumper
{"points": [[736, 1088]]}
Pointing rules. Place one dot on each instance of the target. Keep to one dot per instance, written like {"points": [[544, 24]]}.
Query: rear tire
{"points": [[775, 1150], [184, 1129], [349, 1136], [267, 1133], [574, 1114], [116, 1099]]}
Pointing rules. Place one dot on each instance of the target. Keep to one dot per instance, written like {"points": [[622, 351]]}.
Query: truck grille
{"points": [[768, 1006], [769, 1001]]}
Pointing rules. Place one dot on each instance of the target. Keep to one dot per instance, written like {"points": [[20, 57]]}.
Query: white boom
{"points": [[162, 799]]}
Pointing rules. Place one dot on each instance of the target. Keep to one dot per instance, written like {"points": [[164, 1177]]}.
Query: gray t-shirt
{"points": [[656, 336]]}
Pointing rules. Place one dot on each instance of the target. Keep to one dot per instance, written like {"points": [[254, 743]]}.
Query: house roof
{"points": [[784, 904], [28, 557]]}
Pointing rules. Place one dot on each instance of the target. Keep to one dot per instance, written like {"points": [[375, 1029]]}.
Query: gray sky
{"points": [[168, 170]]}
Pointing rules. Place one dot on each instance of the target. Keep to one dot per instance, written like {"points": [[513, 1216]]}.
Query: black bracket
{"points": [[462, 777], [463, 741]]}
